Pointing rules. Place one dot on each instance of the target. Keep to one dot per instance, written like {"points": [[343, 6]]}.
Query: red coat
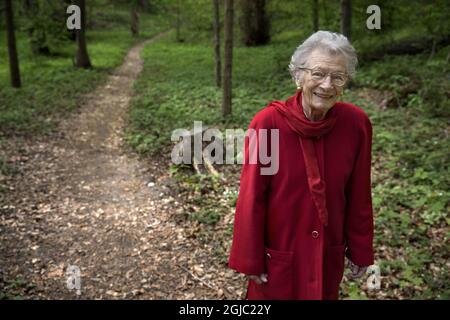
{"points": [[277, 230]]}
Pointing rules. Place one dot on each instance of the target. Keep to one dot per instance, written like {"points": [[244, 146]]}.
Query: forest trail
{"points": [[85, 200]]}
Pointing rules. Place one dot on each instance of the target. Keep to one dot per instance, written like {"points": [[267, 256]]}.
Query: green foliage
{"points": [[415, 81], [208, 209], [5, 167], [411, 184], [352, 291], [51, 85], [15, 289], [177, 87], [45, 24]]}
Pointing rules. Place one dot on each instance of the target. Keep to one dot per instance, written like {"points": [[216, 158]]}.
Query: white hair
{"points": [[331, 42]]}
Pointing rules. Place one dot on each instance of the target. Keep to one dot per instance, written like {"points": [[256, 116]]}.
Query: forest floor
{"points": [[82, 198]]}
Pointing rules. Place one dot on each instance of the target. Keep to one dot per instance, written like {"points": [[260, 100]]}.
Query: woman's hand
{"points": [[357, 271], [262, 278]]}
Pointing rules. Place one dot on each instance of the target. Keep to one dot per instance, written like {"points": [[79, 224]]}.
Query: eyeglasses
{"points": [[337, 78]]}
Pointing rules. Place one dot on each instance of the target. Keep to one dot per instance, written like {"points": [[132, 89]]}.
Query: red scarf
{"points": [[307, 130]]}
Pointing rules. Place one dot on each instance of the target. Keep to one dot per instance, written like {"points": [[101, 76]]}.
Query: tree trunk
{"points": [[228, 57], [346, 18], [12, 50], [217, 43], [134, 21], [315, 14], [433, 48], [407, 46], [144, 5], [178, 21], [82, 57], [90, 14], [255, 22]]}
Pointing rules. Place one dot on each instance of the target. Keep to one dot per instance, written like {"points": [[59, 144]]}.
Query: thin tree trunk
{"points": [[134, 20], [346, 18], [82, 57], [90, 14], [262, 22], [217, 43], [178, 22], [12, 50], [144, 5], [228, 57], [255, 22], [433, 48], [402, 47], [315, 14]]}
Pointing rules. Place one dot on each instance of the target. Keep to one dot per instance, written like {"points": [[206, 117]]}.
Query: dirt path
{"points": [[82, 199]]}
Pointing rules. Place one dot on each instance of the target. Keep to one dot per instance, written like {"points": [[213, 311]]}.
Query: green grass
{"points": [[51, 86], [177, 87], [411, 183], [15, 289]]}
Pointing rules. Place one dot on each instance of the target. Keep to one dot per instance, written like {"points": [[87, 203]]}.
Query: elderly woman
{"points": [[294, 228]]}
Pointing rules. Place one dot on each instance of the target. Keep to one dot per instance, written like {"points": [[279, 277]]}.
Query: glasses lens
{"points": [[317, 74], [338, 79]]}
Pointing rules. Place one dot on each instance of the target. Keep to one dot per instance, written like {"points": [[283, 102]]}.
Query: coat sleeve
{"points": [[248, 249], [359, 219]]}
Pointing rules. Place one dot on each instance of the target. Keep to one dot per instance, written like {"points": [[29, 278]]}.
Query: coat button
{"points": [[268, 255], [315, 234]]}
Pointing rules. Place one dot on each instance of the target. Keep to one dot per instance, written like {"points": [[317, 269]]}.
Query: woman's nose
{"points": [[326, 82]]}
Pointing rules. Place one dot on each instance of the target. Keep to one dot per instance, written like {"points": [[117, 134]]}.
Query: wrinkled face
{"points": [[321, 95]]}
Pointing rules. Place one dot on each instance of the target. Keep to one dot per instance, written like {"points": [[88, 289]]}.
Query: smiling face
{"points": [[320, 96]]}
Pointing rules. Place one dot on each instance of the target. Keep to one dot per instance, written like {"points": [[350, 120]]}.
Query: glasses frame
{"points": [[326, 75]]}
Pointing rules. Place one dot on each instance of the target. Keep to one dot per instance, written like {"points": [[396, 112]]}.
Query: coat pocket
{"points": [[334, 265], [279, 268]]}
